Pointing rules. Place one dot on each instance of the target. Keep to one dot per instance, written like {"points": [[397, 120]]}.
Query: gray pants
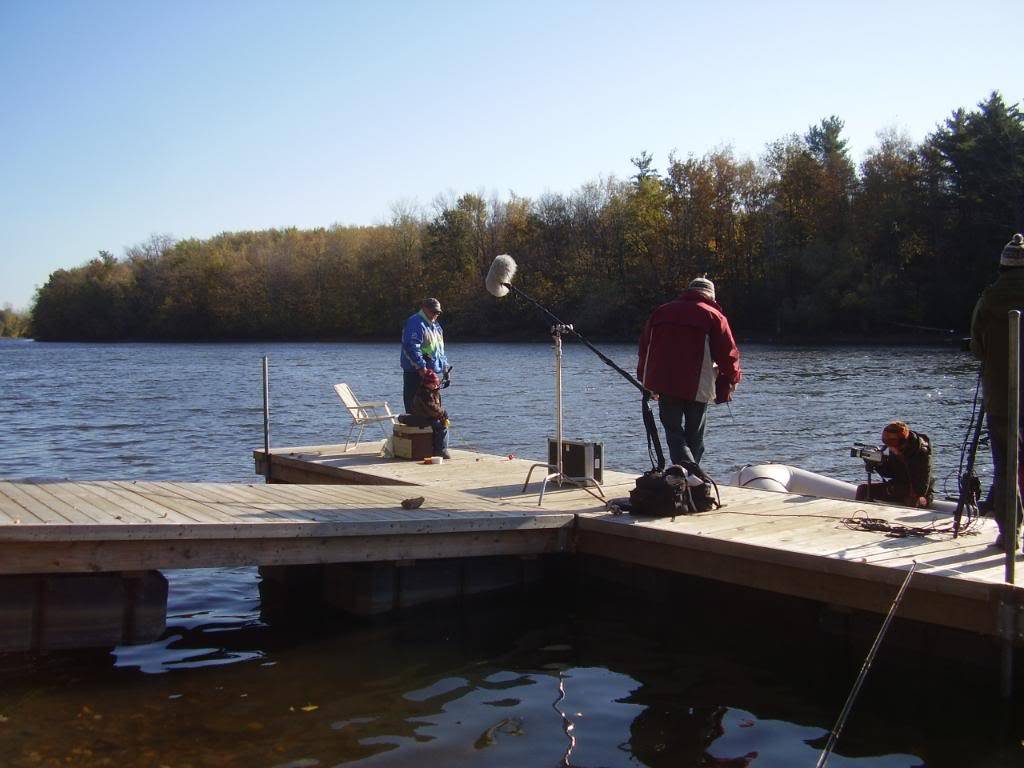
{"points": [[684, 422], [997, 493]]}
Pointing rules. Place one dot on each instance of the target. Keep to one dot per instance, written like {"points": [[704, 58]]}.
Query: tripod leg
{"points": [[543, 487], [530, 474]]}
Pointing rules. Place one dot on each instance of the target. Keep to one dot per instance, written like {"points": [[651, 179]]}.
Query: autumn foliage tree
{"points": [[802, 242]]}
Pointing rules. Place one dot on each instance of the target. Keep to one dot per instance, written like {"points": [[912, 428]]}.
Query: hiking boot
{"points": [[1000, 544], [446, 454]]}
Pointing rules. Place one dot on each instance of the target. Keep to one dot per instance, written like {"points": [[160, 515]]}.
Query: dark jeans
{"points": [[410, 382], [440, 436], [684, 422], [997, 493]]}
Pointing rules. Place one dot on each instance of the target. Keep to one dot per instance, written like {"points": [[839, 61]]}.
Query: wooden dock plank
{"points": [[339, 503], [169, 496], [349, 503], [154, 502], [287, 502], [14, 512], [242, 504], [63, 503], [86, 496], [151, 512], [40, 511], [437, 500]]}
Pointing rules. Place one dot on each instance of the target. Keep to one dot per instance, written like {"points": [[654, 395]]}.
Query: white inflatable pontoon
{"points": [[786, 479]]}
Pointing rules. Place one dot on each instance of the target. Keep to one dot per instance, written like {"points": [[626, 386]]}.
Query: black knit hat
{"points": [[1013, 252]]}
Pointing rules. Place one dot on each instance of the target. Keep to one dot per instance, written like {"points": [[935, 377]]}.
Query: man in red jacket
{"points": [[688, 358]]}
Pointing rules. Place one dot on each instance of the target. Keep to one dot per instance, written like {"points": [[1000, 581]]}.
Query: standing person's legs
{"points": [[410, 382], [670, 414], [695, 416], [997, 438]]}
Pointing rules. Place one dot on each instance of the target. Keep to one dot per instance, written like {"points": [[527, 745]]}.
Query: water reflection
{"points": [[492, 686]]}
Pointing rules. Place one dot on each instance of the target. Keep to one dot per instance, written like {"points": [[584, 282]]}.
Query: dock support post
{"points": [[1011, 495], [266, 419], [1012, 479]]}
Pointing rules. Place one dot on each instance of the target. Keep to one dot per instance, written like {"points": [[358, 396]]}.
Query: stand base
{"points": [[561, 478]]}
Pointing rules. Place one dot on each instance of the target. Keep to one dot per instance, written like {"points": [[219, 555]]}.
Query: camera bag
{"points": [[678, 490], [658, 494]]}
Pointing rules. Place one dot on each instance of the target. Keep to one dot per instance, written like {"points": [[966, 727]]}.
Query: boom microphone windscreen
{"points": [[500, 275]]}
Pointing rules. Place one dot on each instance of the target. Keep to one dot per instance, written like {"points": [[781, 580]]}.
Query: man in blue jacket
{"points": [[422, 349]]}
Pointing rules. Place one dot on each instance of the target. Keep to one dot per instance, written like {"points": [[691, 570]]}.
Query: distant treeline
{"points": [[14, 325], [801, 244]]}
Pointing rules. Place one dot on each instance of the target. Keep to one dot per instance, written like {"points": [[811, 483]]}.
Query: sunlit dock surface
{"points": [[783, 543]]}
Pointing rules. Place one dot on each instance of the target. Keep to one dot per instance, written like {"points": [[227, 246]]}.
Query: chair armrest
{"points": [[375, 404], [380, 417]]}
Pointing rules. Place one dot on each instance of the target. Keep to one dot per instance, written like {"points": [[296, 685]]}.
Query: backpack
{"points": [[678, 490]]}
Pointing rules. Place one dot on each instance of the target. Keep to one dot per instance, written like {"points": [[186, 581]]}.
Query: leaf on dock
{"points": [[414, 503]]}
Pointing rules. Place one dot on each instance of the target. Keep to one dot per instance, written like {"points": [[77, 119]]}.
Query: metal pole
{"points": [[558, 401], [1012, 457], [1011, 497], [266, 419]]}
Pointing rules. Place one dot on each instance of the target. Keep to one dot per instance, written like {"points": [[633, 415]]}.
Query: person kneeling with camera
{"points": [[905, 468]]}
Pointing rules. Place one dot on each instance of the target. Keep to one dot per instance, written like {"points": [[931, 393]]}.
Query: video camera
{"points": [[870, 453]]}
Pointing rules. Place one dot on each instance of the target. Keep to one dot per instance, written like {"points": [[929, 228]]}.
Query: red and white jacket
{"points": [[687, 351]]}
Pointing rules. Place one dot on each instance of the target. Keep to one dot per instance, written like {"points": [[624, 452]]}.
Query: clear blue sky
{"points": [[122, 120]]}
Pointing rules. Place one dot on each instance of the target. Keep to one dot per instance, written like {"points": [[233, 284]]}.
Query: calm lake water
{"points": [[500, 684]]}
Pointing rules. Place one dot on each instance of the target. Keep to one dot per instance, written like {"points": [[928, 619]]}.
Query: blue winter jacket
{"points": [[422, 338]]}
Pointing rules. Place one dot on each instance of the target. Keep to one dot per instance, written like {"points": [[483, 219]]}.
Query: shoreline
{"points": [[953, 341]]}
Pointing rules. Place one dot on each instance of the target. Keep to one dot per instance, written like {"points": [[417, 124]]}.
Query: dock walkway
{"points": [[89, 527]]}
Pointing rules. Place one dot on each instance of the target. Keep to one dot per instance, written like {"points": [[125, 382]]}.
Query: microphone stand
{"points": [[559, 328]]}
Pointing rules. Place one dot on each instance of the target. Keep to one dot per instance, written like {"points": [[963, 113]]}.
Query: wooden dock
{"points": [[783, 543], [330, 506]]}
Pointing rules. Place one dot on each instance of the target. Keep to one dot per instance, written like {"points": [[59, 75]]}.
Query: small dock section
{"points": [[89, 527]]}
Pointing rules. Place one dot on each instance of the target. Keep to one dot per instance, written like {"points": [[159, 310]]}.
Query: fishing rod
{"points": [[833, 736], [929, 328]]}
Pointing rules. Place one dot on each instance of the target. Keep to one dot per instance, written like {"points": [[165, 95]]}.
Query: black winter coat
{"points": [[909, 474]]}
